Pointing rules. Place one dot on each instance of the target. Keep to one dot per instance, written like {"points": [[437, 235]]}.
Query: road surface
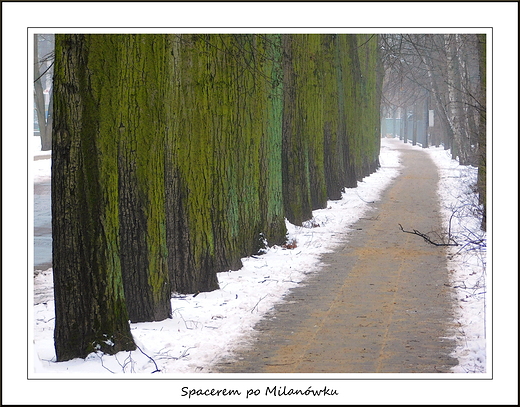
{"points": [[381, 303]]}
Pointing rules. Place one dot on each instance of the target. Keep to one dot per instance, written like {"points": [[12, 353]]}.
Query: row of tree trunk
{"points": [[174, 156]]}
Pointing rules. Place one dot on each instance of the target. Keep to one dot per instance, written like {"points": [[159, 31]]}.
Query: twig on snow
{"points": [[258, 303], [425, 237], [156, 367], [102, 364]]}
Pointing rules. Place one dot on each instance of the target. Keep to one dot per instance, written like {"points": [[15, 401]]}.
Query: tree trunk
{"points": [[271, 192], [395, 133], [44, 122], [373, 74], [481, 182], [295, 157], [334, 131], [47, 139], [345, 112], [91, 312], [455, 108], [435, 81], [225, 155], [426, 113], [137, 77], [414, 124], [406, 125]]}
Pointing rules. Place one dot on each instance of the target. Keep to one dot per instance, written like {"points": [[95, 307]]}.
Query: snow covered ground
{"points": [[205, 327], [467, 262]]}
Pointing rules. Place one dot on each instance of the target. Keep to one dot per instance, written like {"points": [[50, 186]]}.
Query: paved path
{"points": [[380, 305]]}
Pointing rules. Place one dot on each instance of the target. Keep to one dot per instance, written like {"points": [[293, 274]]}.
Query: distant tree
{"points": [[451, 70], [43, 69], [443, 69], [481, 185]]}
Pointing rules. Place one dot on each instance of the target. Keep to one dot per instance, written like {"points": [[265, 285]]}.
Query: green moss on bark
{"points": [[226, 148], [331, 118], [176, 155], [90, 304]]}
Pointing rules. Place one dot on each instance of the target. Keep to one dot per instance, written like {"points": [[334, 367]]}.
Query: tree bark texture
{"points": [[178, 155], [91, 312], [139, 119], [44, 120], [460, 146], [331, 118], [225, 153], [482, 144]]}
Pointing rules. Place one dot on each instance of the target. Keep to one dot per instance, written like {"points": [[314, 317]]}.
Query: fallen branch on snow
{"points": [[425, 237], [258, 302]]}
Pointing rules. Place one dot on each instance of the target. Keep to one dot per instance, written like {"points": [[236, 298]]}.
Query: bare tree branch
{"points": [[425, 237]]}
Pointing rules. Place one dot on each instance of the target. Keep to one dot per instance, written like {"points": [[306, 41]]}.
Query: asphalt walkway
{"points": [[381, 303]]}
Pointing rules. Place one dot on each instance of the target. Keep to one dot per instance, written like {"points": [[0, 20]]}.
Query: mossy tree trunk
{"points": [[177, 155], [331, 126], [363, 109], [189, 178], [347, 112], [334, 125], [110, 241], [90, 304], [273, 226], [295, 159], [303, 160], [141, 85], [225, 154]]}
